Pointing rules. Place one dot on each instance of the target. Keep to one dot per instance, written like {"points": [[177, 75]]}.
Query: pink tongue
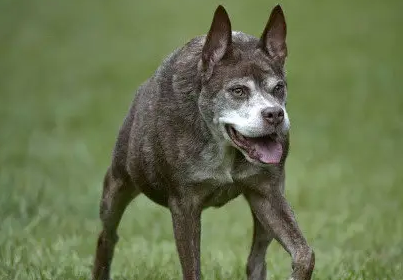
{"points": [[267, 151]]}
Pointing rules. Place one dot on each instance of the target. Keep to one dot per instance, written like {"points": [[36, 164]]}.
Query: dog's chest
{"points": [[220, 183], [220, 195]]}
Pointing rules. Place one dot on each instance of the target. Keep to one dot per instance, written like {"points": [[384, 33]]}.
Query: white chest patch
{"points": [[212, 167]]}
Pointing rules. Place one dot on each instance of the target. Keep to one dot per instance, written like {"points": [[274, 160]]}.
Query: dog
{"points": [[210, 125]]}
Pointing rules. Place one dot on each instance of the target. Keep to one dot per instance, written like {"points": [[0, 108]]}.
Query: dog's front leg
{"points": [[186, 218], [256, 265], [276, 216]]}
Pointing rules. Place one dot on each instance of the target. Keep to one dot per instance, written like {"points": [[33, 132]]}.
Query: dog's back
{"points": [[162, 127]]}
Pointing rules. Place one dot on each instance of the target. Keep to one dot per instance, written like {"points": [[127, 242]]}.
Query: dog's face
{"points": [[244, 90]]}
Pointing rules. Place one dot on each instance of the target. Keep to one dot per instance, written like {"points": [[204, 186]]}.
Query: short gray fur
{"points": [[175, 146]]}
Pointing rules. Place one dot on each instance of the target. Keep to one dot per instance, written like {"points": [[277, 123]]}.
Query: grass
{"points": [[68, 71]]}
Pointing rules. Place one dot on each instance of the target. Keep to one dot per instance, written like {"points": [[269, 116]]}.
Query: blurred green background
{"points": [[68, 71]]}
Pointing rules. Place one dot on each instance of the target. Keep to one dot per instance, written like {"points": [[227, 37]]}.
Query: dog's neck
{"points": [[214, 164]]}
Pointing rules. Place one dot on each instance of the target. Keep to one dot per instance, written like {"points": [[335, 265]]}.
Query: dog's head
{"points": [[244, 91]]}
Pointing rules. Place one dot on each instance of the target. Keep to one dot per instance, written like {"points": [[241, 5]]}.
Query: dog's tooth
{"points": [[233, 131], [240, 136]]}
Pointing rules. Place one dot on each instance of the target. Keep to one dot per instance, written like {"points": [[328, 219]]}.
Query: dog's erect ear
{"points": [[274, 35], [218, 40]]}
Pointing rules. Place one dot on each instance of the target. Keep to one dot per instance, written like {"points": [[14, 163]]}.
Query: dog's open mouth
{"points": [[264, 149]]}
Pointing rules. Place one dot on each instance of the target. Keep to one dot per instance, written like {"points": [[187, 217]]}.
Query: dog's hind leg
{"points": [[256, 265], [117, 194]]}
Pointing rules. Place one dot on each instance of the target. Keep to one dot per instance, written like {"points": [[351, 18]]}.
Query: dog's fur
{"points": [[208, 126]]}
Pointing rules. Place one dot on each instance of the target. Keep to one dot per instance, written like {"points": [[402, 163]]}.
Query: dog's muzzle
{"points": [[265, 149]]}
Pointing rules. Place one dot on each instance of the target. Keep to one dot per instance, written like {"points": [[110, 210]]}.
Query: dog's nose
{"points": [[273, 115]]}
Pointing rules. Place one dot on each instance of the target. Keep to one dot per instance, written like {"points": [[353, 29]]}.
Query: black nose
{"points": [[273, 115]]}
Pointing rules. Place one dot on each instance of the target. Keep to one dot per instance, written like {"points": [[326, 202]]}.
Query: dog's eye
{"points": [[278, 90], [279, 87], [239, 91]]}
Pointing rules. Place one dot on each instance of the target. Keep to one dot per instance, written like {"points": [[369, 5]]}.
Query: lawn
{"points": [[68, 71]]}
